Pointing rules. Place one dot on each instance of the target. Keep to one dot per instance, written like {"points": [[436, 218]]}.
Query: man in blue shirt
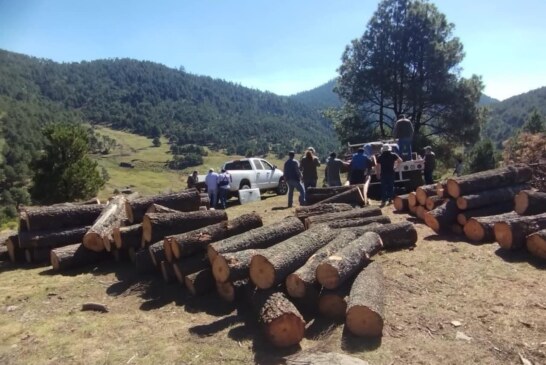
{"points": [[292, 175], [360, 163]]}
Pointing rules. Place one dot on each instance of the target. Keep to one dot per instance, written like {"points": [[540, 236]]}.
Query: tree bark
{"points": [[204, 201], [365, 308], [129, 236], [200, 282], [51, 239], [183, 201], [112, 216], [189, 265], [489, 197], [423, 192], [157, 253], [442, 217], [503, 207], [358, 222], [231, 292], [156, 226], [401, 203], [38, 255], [340, 266], [262, 237], [434, 201], [318, 209], [511, 234], [530, 202], [275, 263], [536, 244], [480, 229], [355, 196], [316, 195], [186, 244], [57, 217], [74, 256], [490, 179], [167, 271], [395, 236], [233, 266], [143, 262], [156, 208], [355, 213]]}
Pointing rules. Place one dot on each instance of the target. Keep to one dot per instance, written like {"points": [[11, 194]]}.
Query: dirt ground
{"points": [[448, 302]]}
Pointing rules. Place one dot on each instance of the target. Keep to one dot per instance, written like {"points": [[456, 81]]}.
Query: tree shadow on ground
{"points": [[520, 256], [351, 343]]}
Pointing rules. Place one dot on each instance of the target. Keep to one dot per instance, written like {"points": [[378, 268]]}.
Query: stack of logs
{"points": [[493, 205]]}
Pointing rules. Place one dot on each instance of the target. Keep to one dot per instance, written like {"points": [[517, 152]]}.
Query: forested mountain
{"points": [[319, 98]]}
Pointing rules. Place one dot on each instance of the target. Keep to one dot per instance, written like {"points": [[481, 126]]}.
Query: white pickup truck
{"points": [[255, 173]]}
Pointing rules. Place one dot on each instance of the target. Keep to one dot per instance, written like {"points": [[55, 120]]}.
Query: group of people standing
{"points": [[218, 185]]}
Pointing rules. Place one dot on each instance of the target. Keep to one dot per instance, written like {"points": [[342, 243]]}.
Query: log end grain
{"points": [[521, 202], [327, 275], [129, 212], [462, 203], [220, 269], [226, 291], [54, 261], [420, 212], [295, 287], [536, 245], [363, 321], [116, 235], [503, 235], [262, 272], [211, 254], [332, 306], [146, 229], [412, 199], [432, 222], [453, 188], [93, 241], [473, 230], [400, 203], [168, 248]]}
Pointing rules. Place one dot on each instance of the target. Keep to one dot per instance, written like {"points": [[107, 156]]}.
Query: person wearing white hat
{"points": [[387, 162]]}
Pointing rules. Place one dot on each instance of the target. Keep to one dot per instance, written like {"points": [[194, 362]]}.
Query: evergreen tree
{"points": [[482, 157], [535, 123]]}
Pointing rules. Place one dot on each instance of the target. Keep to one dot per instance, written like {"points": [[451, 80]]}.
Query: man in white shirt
{"points": [[211, 180]]}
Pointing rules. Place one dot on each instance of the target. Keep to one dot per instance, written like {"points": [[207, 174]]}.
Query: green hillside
{"points": [[319, 98]]}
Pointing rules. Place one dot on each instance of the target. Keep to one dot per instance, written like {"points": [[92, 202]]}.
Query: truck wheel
{"points": [[282, 189], [245, 184]]}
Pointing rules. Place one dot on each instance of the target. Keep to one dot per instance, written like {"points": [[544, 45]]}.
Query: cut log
{"points": [[156, 208], [412, 199], [530, 202], [233, 266], [490, 179], [457, 229], [274, 264], [167, 272], [400, 203], [16, 253], [355, 196], [200, 282], [51, 239], [231, 292], [99, 235], [434, 201], [355, 213], [121, 255], [412, 209], [503, 207], [489, 197], [316, 195], [423, 192], [143, 262], [442, 217], [358, 222], [480, 229], [441, 190], [189, 265], [304, 279], [204, 202], [38, 255], [167, 249], [332, 303], [318, 209], [184, 201], [365, 308], [74, 256], [157, 226], [340, 266], [157, 253], [536, 244], [420, 212], [129, 236], [282, 322], [186, 244], [394, 236], [57, 217], [262, 237], [511, 234]]}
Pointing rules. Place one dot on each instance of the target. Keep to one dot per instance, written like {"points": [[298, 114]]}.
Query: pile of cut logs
{"points": [[493, 205], [317, 263]]}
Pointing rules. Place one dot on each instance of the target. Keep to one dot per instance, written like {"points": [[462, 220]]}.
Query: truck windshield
{"points": [[238, 165]]}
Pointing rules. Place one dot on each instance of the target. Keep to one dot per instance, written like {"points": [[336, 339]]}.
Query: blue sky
{"points": [[281, 46]]}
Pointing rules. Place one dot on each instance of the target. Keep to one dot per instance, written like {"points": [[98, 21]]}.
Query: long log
{"points": [[401, 203], [412, 199], [231, 292], [38, 255], [99, 235], [530, 202], [423, 192], [355, 196], [57, 217], [186, 244], [512, 233], [189, 265], [434, 201], [480, 229], [340, 266], [74, 256], [204, 202], [394, 236], [129, 236], [143, 262], [274, 264], [156, 208], [503, 207], [318, 209], [365, 308], [536, 244], [316, 195], [262, 237], [355, 213], [200, 282], [442, 217], [332, 303], [358, 222], [157, 226], [490, 179], [282, 323], [489, 197], [233, 266], [51, 239], [184, 201]]}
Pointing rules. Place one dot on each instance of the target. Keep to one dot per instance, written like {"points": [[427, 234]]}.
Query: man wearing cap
{"points": [[211, 180], [403, 132], [387, 162], [430, 165], [360, 163], [333, 170], [292, 175]]}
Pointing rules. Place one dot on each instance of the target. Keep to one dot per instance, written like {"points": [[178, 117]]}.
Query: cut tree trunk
{"points": [[530, 202], [262, 237], [432, 202], [420, 212], [38, 255], [401, 203], [74, 256], [51, 239], [156, 208], [57, 217], [358, 222], [99, 235], [16, 253], [167, 272], [231, 292], [355, 196], [318, 209], [489, 197], [512, 233], [304, 279], [442, 217], [233, 266], [189, 265], [167, 249], [355, 213], [480, 229], [494, 209], [274, 264], [200, 282], [340, 266], [184, 201], [423, 192], [282, 322], [394, 236], [332, 303], [365, 308], [441, 190], [490, 179], [186, 244], [157, 226], [204, 202], [157, 253], [143, 262], [316, 195], [536, 244], [412, 200], [129, 236]]}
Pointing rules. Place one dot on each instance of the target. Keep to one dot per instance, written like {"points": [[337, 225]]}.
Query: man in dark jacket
{"points": [[403, 131], [292, 175], [430, 165], [387, 162]]}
